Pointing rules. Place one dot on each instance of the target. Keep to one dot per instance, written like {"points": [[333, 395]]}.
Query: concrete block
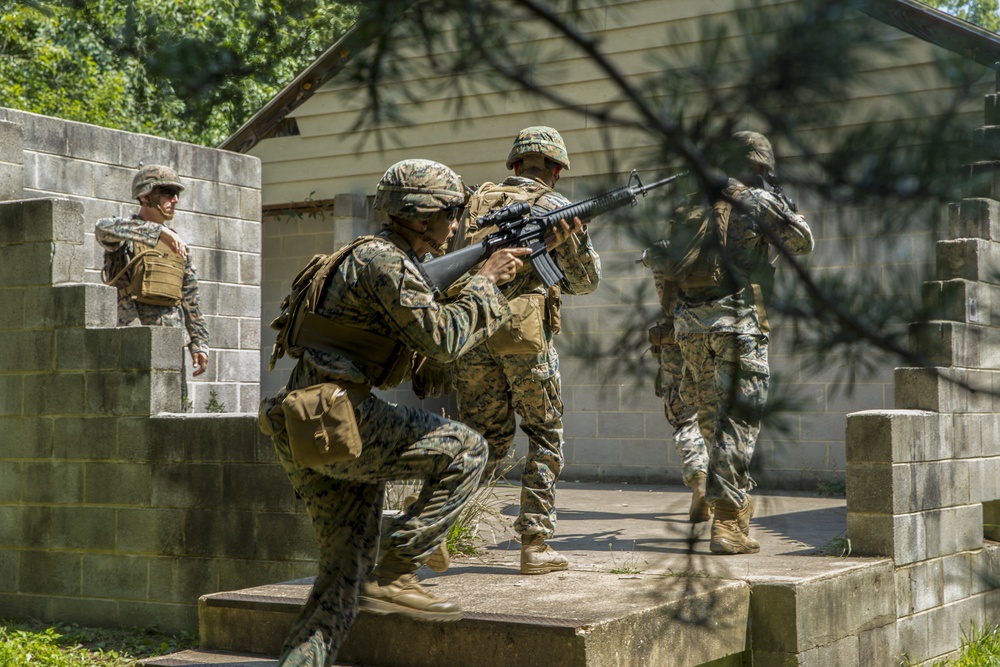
{"points": [[956, 344], [86, 349], [118, 392], [151, 530], [29, 351], [30, 264], [41, 133], [976, 218], [25, 437], [55, 394], [926, 585], [897, 436], [256, 487], [167, 616], [212, 198], [977, 260], [157, 348], [50, 573], [992, 108], [11, 142], [983, 180], [118, 483], [181, 580], [901, 537], [237, 169], [165, 392], [844, 652], [945, 389], [224, 331], [8, 571], [938, 484], [239, 300], [236, 574], [620, 425], [186, 485], [878, 488], [64, 175], [94, 144], [10, 481], [957, 571], [249, 398], [991, 520], [11, 396], [280, 536], [26, 527], [83, 528], [904, 588], [914, 635], [249, 334], [11, 181], [953, 529], [986, 569], [93, 437], [593, 451]]}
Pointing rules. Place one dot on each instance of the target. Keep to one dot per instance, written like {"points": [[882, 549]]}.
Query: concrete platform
{"points": [[642, 590]]}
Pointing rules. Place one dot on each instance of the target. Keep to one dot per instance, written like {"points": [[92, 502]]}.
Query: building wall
{"points": [[615, 428], [117, 509]]}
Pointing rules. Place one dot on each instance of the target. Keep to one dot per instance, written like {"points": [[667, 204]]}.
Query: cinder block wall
{"points": [[116, 509], [218, 215], [923, 480]]}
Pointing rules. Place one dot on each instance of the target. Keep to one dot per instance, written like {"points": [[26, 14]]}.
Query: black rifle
{"points": [[516, 227], [772, 180]]}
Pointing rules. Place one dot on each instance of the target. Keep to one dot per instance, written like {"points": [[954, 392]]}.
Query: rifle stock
{"points": [[517, 227]]}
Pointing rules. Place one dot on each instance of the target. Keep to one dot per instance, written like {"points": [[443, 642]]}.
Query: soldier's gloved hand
{"points": [[430, 378]]}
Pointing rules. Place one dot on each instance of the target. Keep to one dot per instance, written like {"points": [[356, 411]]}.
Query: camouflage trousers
{"points": [[345, 501], [726, 379], [490, 390], [688, 442]]}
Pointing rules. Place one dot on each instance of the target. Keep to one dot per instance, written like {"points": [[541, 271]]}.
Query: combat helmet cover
{"points": [[539, 140], [417, 189], [154, 176], [755, 148]]}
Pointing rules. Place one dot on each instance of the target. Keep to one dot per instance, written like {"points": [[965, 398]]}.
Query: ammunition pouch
{"points": [[524, 333], [553, 309], [321, 423]]}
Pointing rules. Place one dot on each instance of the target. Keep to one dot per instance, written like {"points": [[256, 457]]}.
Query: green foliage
{"points": [[980, 648], [981, 12], [627, 565], [35, 644], [191, 70], [213, 404], [836, 489]]}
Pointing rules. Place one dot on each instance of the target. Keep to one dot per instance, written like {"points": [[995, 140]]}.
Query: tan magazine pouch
{"points": [[157, 275], [321, 425], [524, 333]]}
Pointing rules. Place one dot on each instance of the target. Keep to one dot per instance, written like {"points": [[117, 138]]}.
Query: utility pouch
{"points": [[524, 333], [321, 425], [271, 416], [553, 309], [157, 275], [661, 334]]}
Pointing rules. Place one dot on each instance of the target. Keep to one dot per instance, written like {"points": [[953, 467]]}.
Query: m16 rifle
{"points": [[517, 227], [775, 188]]}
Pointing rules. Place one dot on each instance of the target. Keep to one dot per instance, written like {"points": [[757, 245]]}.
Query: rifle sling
{"points": [[358, 345]]}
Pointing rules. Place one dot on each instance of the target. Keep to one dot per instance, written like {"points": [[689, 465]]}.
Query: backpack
{"points": [[488, 197], [307, 291], [154, 275], [699, 234]]}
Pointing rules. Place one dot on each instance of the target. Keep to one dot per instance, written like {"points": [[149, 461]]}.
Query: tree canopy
{"points": [[192, 70]]}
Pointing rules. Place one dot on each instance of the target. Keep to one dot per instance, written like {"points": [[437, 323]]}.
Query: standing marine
{"points": [[517, 369], [354, 320], [157, 189], [722, 330]]}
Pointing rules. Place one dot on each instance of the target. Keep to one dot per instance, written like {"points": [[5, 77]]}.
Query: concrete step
{"points": [[570, 619]]}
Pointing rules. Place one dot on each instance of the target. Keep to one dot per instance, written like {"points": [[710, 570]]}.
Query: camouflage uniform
{"points": [[491, 387], [724, 339], [688, 441], [379, 288], [116, 235]]}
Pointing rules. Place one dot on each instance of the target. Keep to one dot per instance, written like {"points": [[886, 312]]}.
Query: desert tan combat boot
{"points": [[440, 559], [700, 509], [539, 558], [393, 588], [731, 529]]}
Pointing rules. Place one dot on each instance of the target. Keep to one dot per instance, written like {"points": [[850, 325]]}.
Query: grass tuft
{"points": [[33, 644]]}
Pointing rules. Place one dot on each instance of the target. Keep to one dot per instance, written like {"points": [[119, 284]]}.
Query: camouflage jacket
{"points": [[116, 235], [379, 288], [758, 219]]}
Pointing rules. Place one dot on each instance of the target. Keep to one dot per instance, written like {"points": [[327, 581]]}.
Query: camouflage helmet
{"points": [[154, 176], [539, 140], [417, 189], [755, 148]]}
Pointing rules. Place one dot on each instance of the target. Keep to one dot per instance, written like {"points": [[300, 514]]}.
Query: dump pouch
{"points": [[321, 425]]}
